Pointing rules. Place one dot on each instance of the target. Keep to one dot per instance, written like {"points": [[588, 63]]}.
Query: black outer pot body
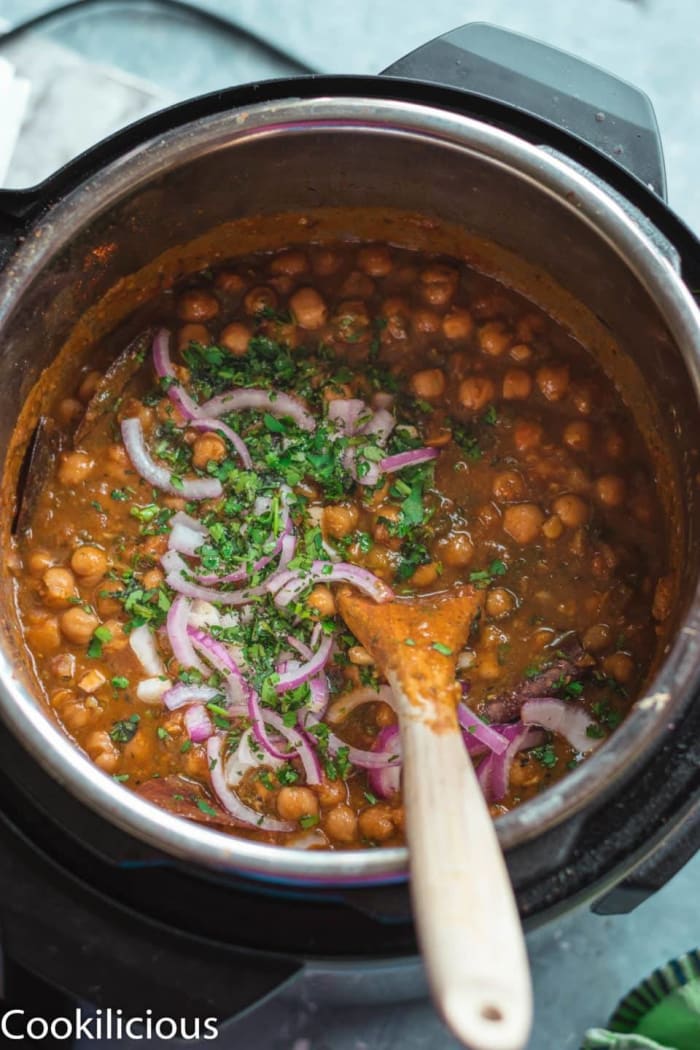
{"points": [[108, 902]]}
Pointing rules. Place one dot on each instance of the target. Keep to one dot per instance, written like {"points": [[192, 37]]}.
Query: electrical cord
{"points": [[183, 7]]}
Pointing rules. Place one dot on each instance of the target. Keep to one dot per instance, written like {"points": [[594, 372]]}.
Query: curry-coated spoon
{"points": [[463, 904]]}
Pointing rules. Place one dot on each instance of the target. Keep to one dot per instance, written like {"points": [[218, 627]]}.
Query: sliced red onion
{"points": [[296, 676], [204, 614], [475, 729], [178, 578], [370, 473], [318, 701], [164, 368], [346, 704], [339, 572], [301, 647], [348, 413], [276, 403], [182, 694], [413, 458], [221, 660], [561, 717], [198, 723], [182, 518], [152, 690], [301, 744], [230, 800], [386, 781], [356, 755], [176, 623], [159, 476], [379, 427], [143, 644], [258, 717], [245, 757], [494, 770], [185, 540], [230, 434]]}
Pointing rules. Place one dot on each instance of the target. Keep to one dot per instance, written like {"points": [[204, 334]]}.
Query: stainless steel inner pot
{"points": [[298, 156]]}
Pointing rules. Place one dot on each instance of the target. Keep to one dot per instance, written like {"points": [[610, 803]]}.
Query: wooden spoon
{"points": [[465, 912]]}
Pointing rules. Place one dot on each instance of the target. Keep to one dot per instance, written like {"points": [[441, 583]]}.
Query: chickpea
{"points": [[351, 320], [488, 668], [89, 561], [357, 285], [475, 392], [375, 260], [153, 578], [527, 435], [197, 305], [610, 490], [553, 527], [44, 637], [523, 522], [381, 561], [521, 353], [325, 262], [382, 532], [321, 600], [571, 510], [193, 333], [74, 467], [75, 714], [78, 625], [517, 384], [457, 325], [508, 486], [340, 823], [384, 714], [340, 519], [68, 410], [597, 638], [309, 309], [229, 283], [89, 385], [358, 655], [102, 750], [106, 605], [456, 550], [330, 792], [291, 263], [428, 383], [439, 284], [396, 312], [494, 338], [208, 448], [118, 637], [578, 436], [553, 381], [582, 396], [619, 666], [258, 299], [425, 575], [376, 823], [58, 587], [293, 803], [500, 603], [426, 322], [39, 561]]}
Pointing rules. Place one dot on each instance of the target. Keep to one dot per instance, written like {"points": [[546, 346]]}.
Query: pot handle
{"points": [[607, 113], [673, 850], [17, 208]]}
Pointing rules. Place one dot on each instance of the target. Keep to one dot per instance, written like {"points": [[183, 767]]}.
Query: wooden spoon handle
{"points": [[465, 912]]}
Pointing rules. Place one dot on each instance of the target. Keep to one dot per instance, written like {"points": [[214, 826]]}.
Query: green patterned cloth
{"points": [[661, 1013]]}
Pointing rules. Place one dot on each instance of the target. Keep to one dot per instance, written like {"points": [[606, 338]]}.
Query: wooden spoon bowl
{"points": [[465, 912]]}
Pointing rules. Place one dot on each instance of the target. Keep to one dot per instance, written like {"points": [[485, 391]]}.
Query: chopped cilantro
{"points": [[100, 635], [439, 647], [125, 729], [309, 821], [120, 682], [206, 808], [545, 754]]}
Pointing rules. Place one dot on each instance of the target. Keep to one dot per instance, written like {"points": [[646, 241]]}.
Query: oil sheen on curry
{"points": [[321, 417]]}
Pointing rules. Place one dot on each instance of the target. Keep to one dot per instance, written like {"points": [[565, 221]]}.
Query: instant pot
{"points": [[106, 899]]}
